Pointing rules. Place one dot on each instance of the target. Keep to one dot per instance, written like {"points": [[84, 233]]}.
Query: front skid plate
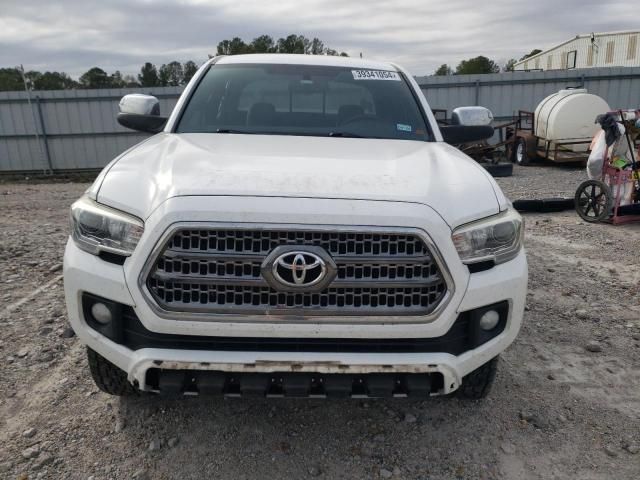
{"points": [[139, 373], [287, 384]]}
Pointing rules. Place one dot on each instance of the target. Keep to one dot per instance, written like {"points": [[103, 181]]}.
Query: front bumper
{"points": [[85, 273]]}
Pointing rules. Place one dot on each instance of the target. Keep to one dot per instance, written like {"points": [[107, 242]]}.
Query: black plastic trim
{"points": [[293, 384], [112, 330], [112, 258], [127, 330], [481, 266], [142, 123], [478, 336], [457, 134]]}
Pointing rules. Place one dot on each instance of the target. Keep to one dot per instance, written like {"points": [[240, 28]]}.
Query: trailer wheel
{"points": [[521, 152], [593, 200]]}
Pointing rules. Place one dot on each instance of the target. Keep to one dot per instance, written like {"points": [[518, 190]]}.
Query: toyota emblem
{"points": [[298, 268]]}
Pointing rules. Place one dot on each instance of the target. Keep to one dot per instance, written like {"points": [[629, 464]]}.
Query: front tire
{"points": [[109, 378], [477, 384]]}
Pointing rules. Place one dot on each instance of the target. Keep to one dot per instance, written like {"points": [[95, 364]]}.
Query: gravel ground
{"points": [[566, 403]]}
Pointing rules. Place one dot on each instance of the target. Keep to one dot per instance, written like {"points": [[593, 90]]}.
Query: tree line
{"points": [[267, 44], [481, 64], [169, 74], [176, 73]]}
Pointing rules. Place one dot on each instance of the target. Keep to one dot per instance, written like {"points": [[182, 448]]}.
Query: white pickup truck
{"points": [[298, 226]]}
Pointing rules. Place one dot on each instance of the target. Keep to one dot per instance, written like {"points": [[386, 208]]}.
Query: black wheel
{"points": [[109, 378], [477, 384], [499, 169], [593, 201], [520, 152]]}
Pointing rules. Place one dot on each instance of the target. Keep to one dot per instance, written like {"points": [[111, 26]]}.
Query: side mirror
{"points": [[457, 134], [141, 112], [471, 116], [468, 124]]}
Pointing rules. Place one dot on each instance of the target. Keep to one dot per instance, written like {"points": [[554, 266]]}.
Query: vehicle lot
{"points": [[566, 403]]}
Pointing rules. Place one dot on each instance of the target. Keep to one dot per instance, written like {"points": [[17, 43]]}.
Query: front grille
{"points": [[219, 271], [261, 242]]}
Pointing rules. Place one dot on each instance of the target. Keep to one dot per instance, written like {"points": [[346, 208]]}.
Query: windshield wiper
{"points": [[231, 130], [330, 134], [345, 135]]}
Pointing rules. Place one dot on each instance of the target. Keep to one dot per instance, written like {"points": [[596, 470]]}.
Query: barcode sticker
{"points": [[375, 75]]}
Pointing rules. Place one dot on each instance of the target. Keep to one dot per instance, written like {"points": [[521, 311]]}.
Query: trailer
{"points": [[560, 129]]}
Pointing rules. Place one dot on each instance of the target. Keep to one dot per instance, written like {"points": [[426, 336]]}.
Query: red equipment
{"points": [[601, 200]]}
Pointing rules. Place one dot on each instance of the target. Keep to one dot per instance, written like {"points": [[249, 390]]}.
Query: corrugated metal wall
{"points": [[506, 93], [81, 131]]}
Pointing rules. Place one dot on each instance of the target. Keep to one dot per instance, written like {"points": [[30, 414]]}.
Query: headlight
{"points": [[96, 228], [497, 238]]}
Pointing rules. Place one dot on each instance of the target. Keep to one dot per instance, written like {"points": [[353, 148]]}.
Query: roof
{"points": [[584, 35], [296, 59]]}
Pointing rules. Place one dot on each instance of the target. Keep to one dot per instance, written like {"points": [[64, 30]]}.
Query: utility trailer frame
{"points": [[528, 147]]}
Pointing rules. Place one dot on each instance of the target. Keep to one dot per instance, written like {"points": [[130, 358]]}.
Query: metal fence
{"points": [[506, 93], [77, 129]]}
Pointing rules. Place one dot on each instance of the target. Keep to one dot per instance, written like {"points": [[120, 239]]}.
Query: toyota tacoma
{"points": [[298, 226]]}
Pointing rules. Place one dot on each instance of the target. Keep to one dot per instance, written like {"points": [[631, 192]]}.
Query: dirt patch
{"points": [[558, 410]]}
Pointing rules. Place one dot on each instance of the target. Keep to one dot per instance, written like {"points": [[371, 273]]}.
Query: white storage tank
{"points": [[569, 115]]}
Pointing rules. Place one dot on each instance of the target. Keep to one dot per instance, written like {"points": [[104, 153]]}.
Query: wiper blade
{"points": [[345, 135], [231, 130]]}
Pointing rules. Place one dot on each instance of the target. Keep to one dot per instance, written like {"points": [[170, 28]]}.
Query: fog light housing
{"points": [[489, 320], [104, 316], [101, 313]]}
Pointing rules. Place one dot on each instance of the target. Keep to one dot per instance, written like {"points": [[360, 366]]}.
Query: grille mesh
{"points": [[219, 271], [261, 242]]}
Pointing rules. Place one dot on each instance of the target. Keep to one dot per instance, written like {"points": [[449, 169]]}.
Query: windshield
{"points": [[304, 100]]}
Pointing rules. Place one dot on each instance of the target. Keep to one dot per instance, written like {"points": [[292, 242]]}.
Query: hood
{"points": [[170, 165]]}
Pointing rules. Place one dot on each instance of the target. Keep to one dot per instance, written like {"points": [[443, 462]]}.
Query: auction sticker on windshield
{"points": [[375, 75]]}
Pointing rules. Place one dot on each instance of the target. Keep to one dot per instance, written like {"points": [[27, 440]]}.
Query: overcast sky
{"points": [[74, 35]]}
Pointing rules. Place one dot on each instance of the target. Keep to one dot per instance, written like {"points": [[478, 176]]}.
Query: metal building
{"points": [[612, 49]]}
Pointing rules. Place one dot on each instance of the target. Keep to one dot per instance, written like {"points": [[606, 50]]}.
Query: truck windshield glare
{"points": [[308, 100]]}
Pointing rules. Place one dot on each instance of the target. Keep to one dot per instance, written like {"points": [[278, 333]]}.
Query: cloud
{"points": [[75, 35]]}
